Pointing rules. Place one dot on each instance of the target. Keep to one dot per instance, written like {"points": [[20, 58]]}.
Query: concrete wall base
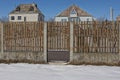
{"points": [[24, 57], [96, 58]]}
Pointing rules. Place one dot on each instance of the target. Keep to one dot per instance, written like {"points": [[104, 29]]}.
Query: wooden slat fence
{"points": [[58, 36], [96, 37], [23, 36], [89, 37]]}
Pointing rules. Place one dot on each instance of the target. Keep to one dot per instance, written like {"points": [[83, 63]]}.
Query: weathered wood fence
{"points": [[86, 42], [96, 37], [23, 37]]}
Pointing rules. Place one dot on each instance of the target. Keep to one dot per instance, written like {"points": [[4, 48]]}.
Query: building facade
{"points": [[118, 18], [73, 13], [26, 13]]}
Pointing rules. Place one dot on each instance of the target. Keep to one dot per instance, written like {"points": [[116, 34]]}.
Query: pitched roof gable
{"points": [[26, 8], [80, 12]]}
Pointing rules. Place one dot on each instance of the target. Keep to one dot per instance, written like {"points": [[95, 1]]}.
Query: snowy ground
{"points": [[57, 72]]}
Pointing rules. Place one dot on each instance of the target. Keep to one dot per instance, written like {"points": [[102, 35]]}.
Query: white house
{"points": [[26, 12], [73, 13]]}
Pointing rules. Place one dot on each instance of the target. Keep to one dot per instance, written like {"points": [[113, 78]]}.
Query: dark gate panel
{"points": [[58, 41], [58, 56]]}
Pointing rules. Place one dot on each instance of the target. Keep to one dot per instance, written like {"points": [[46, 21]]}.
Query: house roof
{"points": [[26, 8], [79, 11]]}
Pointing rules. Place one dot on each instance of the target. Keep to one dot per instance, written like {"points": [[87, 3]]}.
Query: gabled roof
{"points": [[26, 8], [80, 12]]}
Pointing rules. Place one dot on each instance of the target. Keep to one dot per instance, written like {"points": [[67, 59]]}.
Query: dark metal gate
{"points": [[58, 41]]}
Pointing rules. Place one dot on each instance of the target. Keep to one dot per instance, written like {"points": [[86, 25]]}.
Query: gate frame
{"points": [[45, 42], [71, 25], [71, 41]]}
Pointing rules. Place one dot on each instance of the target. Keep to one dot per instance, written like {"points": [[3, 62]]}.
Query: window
{"points": [[77, 19], [31, 8], [87, 19], [12, 18], [19, 17], [63, 20], [73, 11], [24, 18], [74, 19], [18, 9]]}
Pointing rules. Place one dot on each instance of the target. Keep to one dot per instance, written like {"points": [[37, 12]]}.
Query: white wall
{"points": [[29, 17], [73, 15], [86, 18], [59, 19]]}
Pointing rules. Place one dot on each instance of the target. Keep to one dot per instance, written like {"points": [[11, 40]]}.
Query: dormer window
{"points": [[31, 8], [73, 12], [36, 5], [18, 9]]}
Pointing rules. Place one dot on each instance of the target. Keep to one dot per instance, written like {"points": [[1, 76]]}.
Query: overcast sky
{"points": [[50, 8]]}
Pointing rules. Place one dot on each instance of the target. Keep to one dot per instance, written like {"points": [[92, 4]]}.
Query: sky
{"points": [[50, 8]]}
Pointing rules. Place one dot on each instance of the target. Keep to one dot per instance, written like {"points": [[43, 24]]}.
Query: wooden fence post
{"points": [[45, 42], [1, 25], [71, 41]]}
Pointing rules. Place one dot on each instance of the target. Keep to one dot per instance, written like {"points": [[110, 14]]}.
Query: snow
{"points": [[57, 72]]}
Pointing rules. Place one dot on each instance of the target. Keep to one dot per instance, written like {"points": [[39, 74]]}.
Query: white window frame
{"points": [[12, 17], [19, 17]]}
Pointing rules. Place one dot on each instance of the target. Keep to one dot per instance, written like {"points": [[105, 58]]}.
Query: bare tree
{"points": [[101, 19], [4, 19], [51, 19]]}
